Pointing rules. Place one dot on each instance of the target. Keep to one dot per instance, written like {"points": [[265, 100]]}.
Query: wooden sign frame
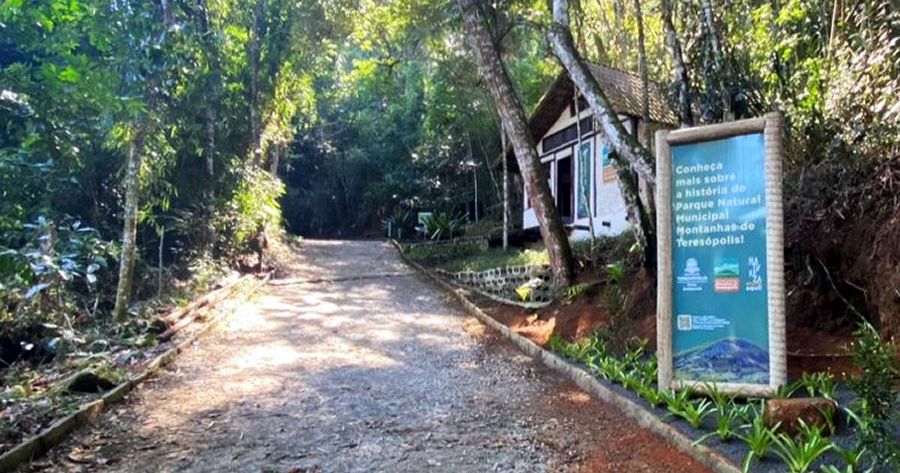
{"points": [[771, 128]]}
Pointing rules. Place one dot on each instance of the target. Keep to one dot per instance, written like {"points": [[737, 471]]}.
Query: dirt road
{"points": [[354, 363]]}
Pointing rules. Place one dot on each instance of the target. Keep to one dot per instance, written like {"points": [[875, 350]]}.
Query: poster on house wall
{"points": [[609, 172], [585, 171], [722, 301]]}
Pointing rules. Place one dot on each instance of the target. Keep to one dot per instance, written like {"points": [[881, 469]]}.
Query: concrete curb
{"points": [[52, 436], [646, 419]]}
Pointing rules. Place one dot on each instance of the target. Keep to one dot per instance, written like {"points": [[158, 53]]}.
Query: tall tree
{"points": [[514, 122], [645, 79], [151, 65], [680, 72], [213, 82], [254, 46], [712, 35], [627, 153]]}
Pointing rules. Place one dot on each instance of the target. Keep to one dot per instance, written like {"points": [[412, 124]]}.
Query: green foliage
{"points": [[726, 420], [853, 461], [255, 205], [444, 226], [799, 454], [877, 410], [614, 301], [55, 268], [818, 384], [787, 390], [727, 414], [693, 411], [573, 291], [497, 258], [446, 252], [757, 436]]}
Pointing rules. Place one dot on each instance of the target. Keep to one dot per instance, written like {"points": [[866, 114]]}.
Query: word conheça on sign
{"points": [[720, 314]]}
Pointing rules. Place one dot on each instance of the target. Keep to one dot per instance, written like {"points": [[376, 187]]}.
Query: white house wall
{"points": [[610, 214]]}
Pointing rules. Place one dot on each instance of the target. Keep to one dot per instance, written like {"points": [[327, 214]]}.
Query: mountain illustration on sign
{"points": [[725, 360]]}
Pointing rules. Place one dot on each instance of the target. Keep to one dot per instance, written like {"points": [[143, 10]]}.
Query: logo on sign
{"points": [[692, 279], [727, 273], [755, 282]]}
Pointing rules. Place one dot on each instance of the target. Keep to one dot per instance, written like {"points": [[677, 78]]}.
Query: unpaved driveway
{"points": [[353, 363]]}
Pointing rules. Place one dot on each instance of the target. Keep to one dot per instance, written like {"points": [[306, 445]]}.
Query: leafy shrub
{"points": [[444, 226], [615, 302], [253, 206], [876, 411], [49, 277]]}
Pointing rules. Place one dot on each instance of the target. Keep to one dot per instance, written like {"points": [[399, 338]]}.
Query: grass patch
{"points": [[497, 258]]}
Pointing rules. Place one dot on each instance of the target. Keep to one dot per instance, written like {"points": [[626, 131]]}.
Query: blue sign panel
{"points": [[720, 319]]}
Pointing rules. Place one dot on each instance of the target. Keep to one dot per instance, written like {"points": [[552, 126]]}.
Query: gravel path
{"points": [[353, 363]]}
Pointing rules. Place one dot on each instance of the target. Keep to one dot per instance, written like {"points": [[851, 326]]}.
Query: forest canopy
{"points": [[143, 139]]}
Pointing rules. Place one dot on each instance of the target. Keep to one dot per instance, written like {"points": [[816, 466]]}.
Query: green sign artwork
{"points": [[720, 320]]}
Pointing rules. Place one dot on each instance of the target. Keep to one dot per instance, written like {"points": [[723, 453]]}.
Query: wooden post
{"points": [[775, 250], [663, 259]]}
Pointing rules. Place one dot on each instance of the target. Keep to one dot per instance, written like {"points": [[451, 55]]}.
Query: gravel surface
{"points": [[353, 363]]}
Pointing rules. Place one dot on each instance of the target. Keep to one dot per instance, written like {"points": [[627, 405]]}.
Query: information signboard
{"points": [[721, 280]]}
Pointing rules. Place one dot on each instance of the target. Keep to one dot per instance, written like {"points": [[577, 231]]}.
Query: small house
{"points": [[582, 179]]}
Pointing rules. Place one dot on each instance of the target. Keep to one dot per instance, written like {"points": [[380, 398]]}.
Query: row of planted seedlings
{"points": [[733, 422]]}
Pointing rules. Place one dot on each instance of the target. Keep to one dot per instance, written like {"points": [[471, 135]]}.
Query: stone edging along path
{"points": [[53, 435], [586, 381]]}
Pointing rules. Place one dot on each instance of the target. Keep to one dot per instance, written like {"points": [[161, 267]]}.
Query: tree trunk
{"points": [[628, 153], [601, 49], [645, 81], [622, 33], [487, 165], [129, 231], [213, 81], [513, 118], [253, 53], [505, 188], [680, 72], [709, 20], [619, 139]]}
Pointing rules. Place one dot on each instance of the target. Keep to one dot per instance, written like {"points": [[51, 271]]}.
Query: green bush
{"points": [[52, 274], [254, 205], [876, 410], [444, 226]]}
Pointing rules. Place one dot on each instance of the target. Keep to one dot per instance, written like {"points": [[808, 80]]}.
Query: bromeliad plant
{"points": [[799, 454], [757, 436], [726, 418], [695, 411], [821, 384]]}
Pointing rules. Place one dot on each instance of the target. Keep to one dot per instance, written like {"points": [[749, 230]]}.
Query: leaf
{"points": [[34, 290]]}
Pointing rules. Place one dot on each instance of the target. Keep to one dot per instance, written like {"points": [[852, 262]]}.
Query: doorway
{"points": [[564, 188]]}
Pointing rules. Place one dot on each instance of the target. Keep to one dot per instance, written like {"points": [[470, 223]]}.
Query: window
{"points": [[567, 135]]}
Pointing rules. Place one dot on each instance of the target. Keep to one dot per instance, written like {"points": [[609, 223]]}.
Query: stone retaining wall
{"points": [[501, 283]]}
